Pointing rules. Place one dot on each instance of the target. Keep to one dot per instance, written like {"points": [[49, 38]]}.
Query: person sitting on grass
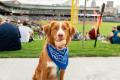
{"points": [[40, 32], [76, 36], [26, 32], [9, 36], [92, 33], [110, 36], [116, 36]]}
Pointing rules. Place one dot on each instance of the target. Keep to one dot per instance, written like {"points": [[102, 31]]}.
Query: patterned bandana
{"points": [[59, 57]]}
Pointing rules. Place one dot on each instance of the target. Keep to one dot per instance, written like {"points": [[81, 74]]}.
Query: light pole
{"points": [[84, 20]]}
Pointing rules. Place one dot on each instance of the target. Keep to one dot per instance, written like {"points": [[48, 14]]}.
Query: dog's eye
{"points": [[64, 28], [55, 28]]}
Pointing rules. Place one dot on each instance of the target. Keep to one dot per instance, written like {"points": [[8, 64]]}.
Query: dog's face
{"points": [[59, 33]]}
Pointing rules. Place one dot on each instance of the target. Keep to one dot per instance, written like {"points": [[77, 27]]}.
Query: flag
{"points": [[99, 20]]}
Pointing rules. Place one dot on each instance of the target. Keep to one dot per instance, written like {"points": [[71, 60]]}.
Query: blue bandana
{"points": [[59, 57]]}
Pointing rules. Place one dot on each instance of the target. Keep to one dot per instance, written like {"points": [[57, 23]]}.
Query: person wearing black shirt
{"points": [[9, 37]]}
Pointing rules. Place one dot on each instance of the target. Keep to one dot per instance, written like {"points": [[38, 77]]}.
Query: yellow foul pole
{"points": [[74, 12]]}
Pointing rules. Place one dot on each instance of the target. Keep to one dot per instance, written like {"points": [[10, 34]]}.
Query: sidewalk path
{"points": [[93, 68]]}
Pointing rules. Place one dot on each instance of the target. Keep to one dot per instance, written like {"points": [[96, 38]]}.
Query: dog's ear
{"points": [[52, 23], [72, 31], [71, 28], [46, 29]]}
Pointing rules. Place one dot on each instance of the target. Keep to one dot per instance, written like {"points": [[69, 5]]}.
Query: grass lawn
{"points": [[105, 27], [33, 49]]}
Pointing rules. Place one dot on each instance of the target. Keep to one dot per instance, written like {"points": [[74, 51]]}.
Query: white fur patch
{"points": [[60, 43], [54, 68], [60, 31], [51, 64]]}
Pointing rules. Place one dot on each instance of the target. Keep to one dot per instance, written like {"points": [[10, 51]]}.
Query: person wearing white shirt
{"points": [[25, 32]]}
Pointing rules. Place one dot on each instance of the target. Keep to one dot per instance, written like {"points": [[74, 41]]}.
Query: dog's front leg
{"points": [[38, 75], [62, 72]]}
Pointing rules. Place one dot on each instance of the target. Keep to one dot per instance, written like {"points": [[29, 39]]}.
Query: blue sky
{"points": [[48, 2]]}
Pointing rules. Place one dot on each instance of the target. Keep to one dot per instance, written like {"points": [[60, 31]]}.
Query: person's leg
{"points": [[110, 39]]}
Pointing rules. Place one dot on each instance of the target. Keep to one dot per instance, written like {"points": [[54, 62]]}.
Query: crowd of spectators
{"points": [[14, 31]]}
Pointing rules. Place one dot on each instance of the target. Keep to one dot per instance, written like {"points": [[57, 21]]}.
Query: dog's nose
{"points": [[60, 35]]}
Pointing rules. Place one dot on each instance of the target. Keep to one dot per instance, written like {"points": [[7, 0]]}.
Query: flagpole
{"points": [[99, 23], [84, 20]]}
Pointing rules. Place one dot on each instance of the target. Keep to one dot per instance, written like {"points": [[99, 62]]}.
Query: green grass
{"points": [[102, 49], [105, 27], [33, 49]]}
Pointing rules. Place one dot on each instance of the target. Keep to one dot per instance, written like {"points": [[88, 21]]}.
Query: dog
{"points": [[58, 35]]}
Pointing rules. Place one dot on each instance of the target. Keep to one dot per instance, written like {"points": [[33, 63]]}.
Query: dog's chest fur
{"points": [[52, 69]]}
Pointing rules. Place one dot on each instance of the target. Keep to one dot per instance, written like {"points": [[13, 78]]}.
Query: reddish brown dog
{"points": [[58, 34]]}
